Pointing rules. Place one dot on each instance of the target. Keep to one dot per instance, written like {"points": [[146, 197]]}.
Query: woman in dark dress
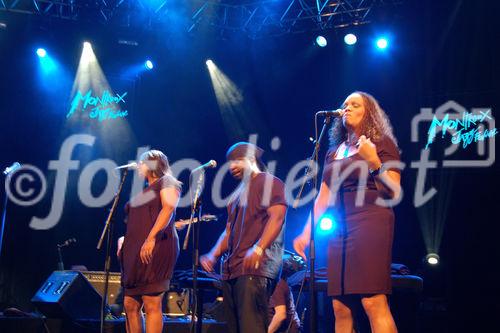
{"points": [[361, 181], [151, 244]]}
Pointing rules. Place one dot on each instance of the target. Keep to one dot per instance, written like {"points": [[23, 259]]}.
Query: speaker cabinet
{"points": [[96, 279], [68, 294]]}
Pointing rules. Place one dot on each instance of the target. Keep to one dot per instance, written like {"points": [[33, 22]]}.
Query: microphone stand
{"points": [[8, 172], [196, 308], [311, 175], [4, 215], [108, 231], [60, 263]]}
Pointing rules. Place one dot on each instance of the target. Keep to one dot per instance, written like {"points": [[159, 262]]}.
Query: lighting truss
{"points": [[257, 18]]}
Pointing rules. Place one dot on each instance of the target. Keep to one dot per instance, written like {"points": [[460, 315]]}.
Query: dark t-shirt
{"points": [[247, 218], [283, 296]]}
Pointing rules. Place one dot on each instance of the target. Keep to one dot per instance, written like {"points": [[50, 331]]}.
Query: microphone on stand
{"points": [[331, 113], [210, 164], [67, 242], [13, 168], [132, 165], [194, 206], [60, 263]]}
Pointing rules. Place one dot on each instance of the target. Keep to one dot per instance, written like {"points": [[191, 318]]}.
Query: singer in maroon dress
{"points": [[360, 167], [151, 246]]}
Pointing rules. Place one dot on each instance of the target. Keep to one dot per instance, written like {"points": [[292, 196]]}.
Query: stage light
{"points": [[321, 41], [41, 52], [3, 25], [149, 64], [95, 103], [48, 67], [128, 42], [88, 55], [235, 117], [350, 39], [382, 43], [432, 259], [326, 223]]}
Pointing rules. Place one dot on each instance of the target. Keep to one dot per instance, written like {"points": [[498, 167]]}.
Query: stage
{"points": [[100, 100], [43, 325]]}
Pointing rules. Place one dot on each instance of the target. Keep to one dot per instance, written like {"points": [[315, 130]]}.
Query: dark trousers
{"points": [[246, 300]]}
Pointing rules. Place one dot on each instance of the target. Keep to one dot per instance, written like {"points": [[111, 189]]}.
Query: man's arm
{"points": [[273, 227], [222, 243], [271, 231], [278, 318], [208, 260]]}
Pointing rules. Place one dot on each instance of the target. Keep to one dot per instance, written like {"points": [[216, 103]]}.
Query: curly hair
{"points": [[374, 125]]}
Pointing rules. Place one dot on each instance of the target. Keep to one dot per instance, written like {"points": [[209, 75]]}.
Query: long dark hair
{"points": [[374, 125], [158, 165]]}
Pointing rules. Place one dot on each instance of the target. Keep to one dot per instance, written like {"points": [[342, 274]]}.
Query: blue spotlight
{"points": [[149, 64], [382, 43], [326, 223], [321, 41], [350, 39], [41, 52]]}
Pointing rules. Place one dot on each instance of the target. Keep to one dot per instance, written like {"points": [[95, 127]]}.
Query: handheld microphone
{"points": [[210, 164], [331, 113], [132, 165], [14, 167]]}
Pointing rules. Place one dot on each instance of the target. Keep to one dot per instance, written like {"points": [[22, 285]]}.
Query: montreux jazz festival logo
{"points": [[465, 127], [107, 106]]}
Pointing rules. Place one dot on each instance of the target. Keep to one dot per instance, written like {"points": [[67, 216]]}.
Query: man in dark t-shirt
{"points": [[282, 313], [282, 310], [252, 241]]}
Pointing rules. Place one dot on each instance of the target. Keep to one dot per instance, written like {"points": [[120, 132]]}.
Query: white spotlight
{"points": [[321, 41], [88, 55], [350, 39], [432, 259]]}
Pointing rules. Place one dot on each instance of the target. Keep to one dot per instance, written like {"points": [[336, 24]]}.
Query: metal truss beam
{"points": [[257, 18]]}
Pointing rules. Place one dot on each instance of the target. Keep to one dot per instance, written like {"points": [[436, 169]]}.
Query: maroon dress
{"points": [[143, 209], [359, 252]]}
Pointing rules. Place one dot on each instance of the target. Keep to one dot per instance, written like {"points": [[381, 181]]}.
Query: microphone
{"points": [[67, 242], [210, 164], [132, 165], [14, 167], [331, 113]]}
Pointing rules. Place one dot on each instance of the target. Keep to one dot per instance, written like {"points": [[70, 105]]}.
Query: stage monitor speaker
{"points": [[68, 294], [96, 279]]}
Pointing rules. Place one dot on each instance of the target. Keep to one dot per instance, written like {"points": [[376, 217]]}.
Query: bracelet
{"points": [[258, 250], [376, 172]]}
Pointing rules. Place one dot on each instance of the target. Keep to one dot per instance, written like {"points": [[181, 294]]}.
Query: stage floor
{"points": [[43, 325]]}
